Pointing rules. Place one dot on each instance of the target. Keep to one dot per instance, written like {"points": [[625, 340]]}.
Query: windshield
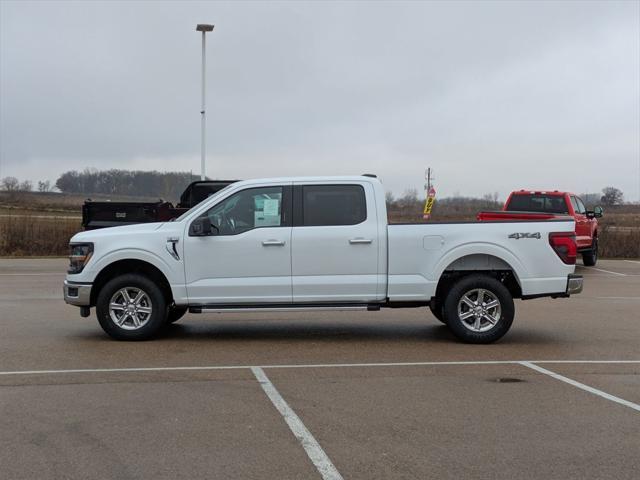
{"points": [[219, 192], [537, 203]]}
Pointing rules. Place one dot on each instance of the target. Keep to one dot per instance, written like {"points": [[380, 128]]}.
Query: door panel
{"points": [[583, 227], [335, 262], [249, 260]]}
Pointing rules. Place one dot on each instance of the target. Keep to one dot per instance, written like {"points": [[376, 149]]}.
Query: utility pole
{"points": [[204, 28], [428, 178]]}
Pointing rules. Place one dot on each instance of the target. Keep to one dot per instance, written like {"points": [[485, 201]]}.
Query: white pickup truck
{"points": [[298, 244]]}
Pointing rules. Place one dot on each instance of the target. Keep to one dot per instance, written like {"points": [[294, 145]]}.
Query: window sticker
{"points": [[271, 207]]}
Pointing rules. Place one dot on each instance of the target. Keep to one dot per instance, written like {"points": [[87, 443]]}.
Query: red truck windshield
{"points": [[537, 203]]}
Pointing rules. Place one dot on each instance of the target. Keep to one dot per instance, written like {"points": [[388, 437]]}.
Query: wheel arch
{"points": [[141, 267], [495, 265]]}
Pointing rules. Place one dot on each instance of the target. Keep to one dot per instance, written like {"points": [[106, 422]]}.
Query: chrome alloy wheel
{"points": [[479, 310], [130, 308]]}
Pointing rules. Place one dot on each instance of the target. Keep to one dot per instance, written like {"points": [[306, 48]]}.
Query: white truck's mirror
{"points": [[201, 227]]}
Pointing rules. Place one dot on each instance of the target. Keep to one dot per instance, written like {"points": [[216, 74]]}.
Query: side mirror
{"points": [[597, 211], [201, 227]]}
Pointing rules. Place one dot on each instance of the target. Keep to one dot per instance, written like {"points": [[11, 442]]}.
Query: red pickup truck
{"points": [[547, 205]]}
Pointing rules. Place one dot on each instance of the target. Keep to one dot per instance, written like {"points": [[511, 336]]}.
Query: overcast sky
{"points": [[493, 96]]}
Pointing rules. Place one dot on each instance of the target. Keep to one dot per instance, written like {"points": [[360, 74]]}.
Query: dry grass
{"points": [[26, 236]]}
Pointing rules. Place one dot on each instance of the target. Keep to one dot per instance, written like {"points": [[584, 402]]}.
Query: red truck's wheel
{"points": [[590, 258], [479, 309]]}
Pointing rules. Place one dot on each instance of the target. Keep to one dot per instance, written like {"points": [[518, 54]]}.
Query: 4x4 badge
{"points": [[517, 236]]}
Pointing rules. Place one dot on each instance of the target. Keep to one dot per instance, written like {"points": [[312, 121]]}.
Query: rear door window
{"points": [[324, 205], [538, 203]]}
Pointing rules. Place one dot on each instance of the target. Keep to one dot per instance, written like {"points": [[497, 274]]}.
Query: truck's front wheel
{"points": [[590, 257], [479, 309], [131, 307]]}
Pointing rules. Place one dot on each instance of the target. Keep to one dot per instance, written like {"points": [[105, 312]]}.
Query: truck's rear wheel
{"points": [[590, 258], [479, 309], [131, 307]]}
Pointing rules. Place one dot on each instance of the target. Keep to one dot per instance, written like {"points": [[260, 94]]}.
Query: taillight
{"points": [[564, 244]]}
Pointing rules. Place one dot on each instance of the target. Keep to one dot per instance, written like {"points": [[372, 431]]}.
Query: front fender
{"points": [[171, 272]]}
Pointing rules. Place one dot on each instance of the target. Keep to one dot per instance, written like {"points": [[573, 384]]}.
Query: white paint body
{"points": [[323, 264]]}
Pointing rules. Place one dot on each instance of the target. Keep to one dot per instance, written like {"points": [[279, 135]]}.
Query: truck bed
{"points": [[420, 253]]}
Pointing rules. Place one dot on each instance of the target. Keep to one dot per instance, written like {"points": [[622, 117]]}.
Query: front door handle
{"points": [[357, 241], [273, 243]]}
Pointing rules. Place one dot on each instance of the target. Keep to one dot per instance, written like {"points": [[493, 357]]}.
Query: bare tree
{"points": [[388, 196], [26, 186], [44, 186], [611, 196], [10, 184]]}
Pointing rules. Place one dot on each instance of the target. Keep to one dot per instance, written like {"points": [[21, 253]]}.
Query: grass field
{"points": [[41, 224]]}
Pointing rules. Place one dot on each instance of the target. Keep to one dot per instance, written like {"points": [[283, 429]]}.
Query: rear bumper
{"points": [[78, 294], [574, 284]]}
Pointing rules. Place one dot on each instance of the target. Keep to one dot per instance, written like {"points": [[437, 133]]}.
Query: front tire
{"points": [[479, 309], [590, 258], [131, 307]]}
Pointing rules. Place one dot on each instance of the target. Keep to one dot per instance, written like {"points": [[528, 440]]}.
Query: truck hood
{"points": [[91, 235]]}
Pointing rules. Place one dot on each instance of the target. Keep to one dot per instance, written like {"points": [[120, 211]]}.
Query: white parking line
{"points": [[30, 274], [304, 436], [605, 271], [582, 386], [633, 261], [310, 365]]}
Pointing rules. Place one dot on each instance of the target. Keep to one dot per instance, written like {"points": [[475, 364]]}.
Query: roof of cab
{"points": [[316, 179], [539, 192]]}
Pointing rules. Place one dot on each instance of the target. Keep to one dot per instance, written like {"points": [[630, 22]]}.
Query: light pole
{"points": [[204, 28]]}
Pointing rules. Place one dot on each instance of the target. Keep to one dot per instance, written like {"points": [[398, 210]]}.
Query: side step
{"points": [[283, 307]]}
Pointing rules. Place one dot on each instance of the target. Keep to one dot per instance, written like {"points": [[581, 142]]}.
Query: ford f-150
{"points": [[316, 243]]}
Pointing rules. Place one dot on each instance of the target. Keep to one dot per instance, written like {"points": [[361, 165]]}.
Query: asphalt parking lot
{"points": [[387, 394]]}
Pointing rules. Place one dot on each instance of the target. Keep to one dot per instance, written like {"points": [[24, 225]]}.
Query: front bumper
{"points": [[78, 294], [574, 284]]}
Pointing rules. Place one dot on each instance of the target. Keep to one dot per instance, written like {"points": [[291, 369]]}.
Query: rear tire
{"points": [[590, 258], [131, 307], [479, 309]]}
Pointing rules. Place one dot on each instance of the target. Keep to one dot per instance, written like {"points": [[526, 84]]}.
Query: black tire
{"points": [[590, 258], [176, 313], [492, 289], [436, 307], [154, 301]]}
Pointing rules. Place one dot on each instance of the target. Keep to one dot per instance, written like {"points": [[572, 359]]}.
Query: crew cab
{"points": [[103, 214], [316, 243], [547, 205]]}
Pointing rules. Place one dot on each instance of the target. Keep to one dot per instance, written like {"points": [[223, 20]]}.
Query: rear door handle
{"points": [[357, 241], [273, 243]]}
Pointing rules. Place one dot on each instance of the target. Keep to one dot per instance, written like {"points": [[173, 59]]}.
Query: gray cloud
{"points": [[492, 95]]}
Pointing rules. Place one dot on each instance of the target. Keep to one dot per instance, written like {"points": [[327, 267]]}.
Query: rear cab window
{"points": [[326, 205], [535, 202]]}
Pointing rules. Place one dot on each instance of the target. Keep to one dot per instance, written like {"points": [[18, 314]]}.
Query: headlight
{"points": [[79, 255]]}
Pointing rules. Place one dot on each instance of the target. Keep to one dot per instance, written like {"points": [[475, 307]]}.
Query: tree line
{"points": [[125, 182]]}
